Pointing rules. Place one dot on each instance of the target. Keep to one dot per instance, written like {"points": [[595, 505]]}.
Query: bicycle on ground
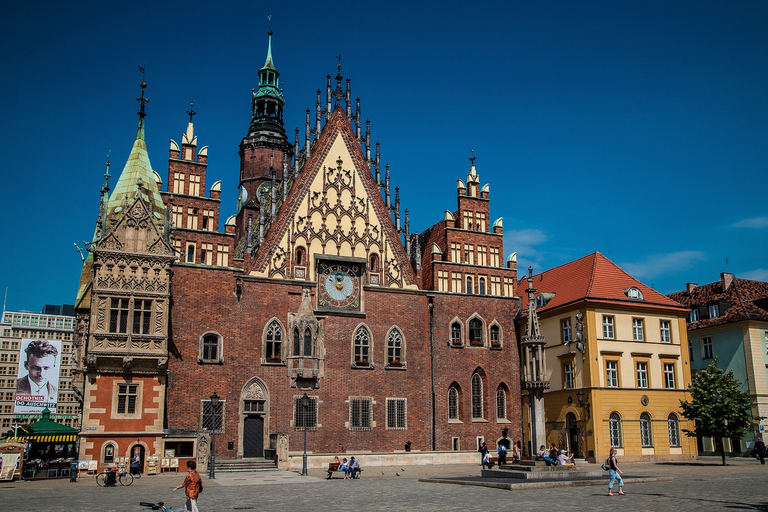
{"points": [[160, 506]]}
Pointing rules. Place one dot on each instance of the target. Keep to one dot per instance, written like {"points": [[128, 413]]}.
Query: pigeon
{"points": [[396, 473]]}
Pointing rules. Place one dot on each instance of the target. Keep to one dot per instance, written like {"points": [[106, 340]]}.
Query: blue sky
{"points": [[635, 128]]}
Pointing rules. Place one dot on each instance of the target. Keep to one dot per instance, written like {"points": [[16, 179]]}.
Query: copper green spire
{"points": [[137, 176], [267, 101]]}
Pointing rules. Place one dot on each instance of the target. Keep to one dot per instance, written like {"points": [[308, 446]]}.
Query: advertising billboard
{"points": [[37, 386]]}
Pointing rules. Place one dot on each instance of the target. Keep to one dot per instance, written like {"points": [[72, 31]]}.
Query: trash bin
{"points": [[73, 471]]}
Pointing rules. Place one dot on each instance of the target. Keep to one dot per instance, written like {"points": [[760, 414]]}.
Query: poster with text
{"points": [[37, 386]]}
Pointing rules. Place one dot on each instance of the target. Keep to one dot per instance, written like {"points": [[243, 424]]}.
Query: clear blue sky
{"points": [[635, 128]]}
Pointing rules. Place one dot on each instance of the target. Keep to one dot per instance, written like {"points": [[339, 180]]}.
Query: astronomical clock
{"points": [[339, 284]]}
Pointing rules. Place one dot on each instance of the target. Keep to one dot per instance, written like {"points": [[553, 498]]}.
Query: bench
{"points": [[333, 469]]}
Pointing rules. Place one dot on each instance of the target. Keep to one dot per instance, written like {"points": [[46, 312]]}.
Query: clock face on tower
{"points": [[338, 285]]}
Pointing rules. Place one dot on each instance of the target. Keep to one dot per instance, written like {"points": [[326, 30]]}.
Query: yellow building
{"points": [[615, 364]]}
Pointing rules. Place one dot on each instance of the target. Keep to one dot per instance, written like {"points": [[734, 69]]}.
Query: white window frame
{"points": [[612, 373], [669, 375], [641, 368], [665, 331], [707, 350], [609, 332]]}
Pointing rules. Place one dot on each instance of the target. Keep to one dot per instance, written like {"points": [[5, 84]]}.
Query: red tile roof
{"points": [[593, 277], [742, 300]]}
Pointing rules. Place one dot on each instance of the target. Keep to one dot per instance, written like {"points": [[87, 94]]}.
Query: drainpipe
{"points": [[431, 306]]}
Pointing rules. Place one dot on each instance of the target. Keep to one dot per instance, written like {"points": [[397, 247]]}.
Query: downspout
{"points": [[433, 427]]}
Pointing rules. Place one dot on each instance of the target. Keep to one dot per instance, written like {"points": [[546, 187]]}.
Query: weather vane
{"points": [[191, 112], [473, 157]]}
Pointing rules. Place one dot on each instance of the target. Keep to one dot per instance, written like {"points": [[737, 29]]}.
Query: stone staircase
{"points": [[538, 470], [245, 465]]}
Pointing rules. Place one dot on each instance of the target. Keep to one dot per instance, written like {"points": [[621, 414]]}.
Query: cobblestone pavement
{"points": [[698, 485]]}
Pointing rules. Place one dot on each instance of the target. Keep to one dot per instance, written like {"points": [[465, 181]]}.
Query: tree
{"points": [[718, 408]]}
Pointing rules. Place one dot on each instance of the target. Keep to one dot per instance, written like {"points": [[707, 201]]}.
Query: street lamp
{"points": [[304, 406], [583, 402], [214, 406]]}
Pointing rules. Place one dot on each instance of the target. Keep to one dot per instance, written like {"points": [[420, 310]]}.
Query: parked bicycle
{"points": [[160, 506], [109, 478]]}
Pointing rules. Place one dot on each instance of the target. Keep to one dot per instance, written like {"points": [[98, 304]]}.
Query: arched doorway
{"points": [[137, 448], [254, 419], [573, 434]]}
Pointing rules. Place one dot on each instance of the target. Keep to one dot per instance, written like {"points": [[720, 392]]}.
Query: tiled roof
{"points": [[742, 300], [593, 277]]}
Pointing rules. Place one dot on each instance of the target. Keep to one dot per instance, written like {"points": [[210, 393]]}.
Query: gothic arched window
{"points": [[395, 347], [501, 404], [673, 425], [453, 403], [477, 397], [475, 332], [296, 343], [307, 342], [362, 346], [274, 341], [455, 333], [646, 430]]}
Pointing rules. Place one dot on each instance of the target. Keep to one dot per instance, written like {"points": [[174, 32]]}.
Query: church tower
{"points": [[265, 157]]}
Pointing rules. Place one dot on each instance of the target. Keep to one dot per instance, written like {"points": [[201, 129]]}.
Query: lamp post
{"points": [[214, 406], [304, 406]]}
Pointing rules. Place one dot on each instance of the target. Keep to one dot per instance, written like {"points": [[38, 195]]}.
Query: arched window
{"points": [[481, 286], [296, 343], [453, 403], [455, 333], [109, 453], [614, 427], [307, 342], [495, 336], [646, 431], [300, 256], [469, 284], [274, 339], [477, 397], [501, 404], [374, 265], [211, 348], [395, 347], [673, 425], [362, 346], [475, 332]]}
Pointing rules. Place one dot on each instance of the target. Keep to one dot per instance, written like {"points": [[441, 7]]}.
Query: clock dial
{"points": [[338, 285]]}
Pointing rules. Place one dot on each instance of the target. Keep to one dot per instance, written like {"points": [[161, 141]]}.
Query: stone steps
{"points": [[245, 465]]}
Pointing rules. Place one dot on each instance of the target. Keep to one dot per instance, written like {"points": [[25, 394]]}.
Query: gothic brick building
{"points": [[315, 286]]}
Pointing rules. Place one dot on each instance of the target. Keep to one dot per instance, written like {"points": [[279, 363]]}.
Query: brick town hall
{"points": [[316, 286]]}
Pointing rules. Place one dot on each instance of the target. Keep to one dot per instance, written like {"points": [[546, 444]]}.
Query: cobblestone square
{"points": [[699, 485]]}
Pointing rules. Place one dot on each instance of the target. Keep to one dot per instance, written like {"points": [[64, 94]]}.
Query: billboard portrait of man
{"points": [[38, 376]]}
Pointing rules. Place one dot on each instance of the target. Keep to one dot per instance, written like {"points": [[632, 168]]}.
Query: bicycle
{"points": [[160, 506], [106, 478]]}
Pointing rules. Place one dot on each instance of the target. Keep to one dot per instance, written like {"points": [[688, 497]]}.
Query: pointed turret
{"points": [[137, 178]]}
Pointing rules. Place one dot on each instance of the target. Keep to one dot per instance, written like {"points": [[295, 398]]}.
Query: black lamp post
{"points": [[304, 406], [214, 406]]}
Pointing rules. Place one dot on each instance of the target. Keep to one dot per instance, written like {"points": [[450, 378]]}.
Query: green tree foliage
{"points": [[718, 408]]}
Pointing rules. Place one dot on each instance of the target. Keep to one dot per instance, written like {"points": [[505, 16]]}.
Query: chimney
{"points": [[726, 278], [690, 286]]}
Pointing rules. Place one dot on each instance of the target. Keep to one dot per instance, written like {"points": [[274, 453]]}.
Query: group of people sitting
{"points": [[351, 467], [501, 451], [554, 458]]}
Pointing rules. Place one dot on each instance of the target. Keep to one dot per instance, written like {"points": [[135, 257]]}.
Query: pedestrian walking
{"points": [[501, 451], [615, 473], [759, 451], [193, 486], [483, 451]]}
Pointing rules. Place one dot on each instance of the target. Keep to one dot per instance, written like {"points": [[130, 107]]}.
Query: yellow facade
{"points": [[617, 374]]}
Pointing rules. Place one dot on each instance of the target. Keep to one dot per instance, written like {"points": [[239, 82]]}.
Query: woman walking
{"points": [[615, 473]]}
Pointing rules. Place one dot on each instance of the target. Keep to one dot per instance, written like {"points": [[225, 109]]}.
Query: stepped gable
{"points": [[593, 277], [276, 238], [745, 300]]}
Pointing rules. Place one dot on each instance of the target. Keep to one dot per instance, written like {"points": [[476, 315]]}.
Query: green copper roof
{"points": [[137, 171], [269, 64]]}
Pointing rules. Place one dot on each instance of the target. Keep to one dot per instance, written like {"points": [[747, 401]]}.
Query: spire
{"points": [[137, 177], [267, 102]]}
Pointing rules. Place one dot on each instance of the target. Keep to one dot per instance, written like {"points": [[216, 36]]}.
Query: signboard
{"points": [[40, 416], [37, 384]]}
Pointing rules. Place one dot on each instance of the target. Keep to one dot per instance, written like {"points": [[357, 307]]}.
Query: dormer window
{"points": [[634, 293], [543, 298], [714, 310], [694, 316]]}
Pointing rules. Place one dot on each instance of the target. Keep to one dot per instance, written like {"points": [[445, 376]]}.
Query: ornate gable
{"points": [[135, 232], [334, 209]]}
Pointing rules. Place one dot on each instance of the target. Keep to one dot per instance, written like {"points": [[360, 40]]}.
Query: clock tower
{"points": [[265, 153]]}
